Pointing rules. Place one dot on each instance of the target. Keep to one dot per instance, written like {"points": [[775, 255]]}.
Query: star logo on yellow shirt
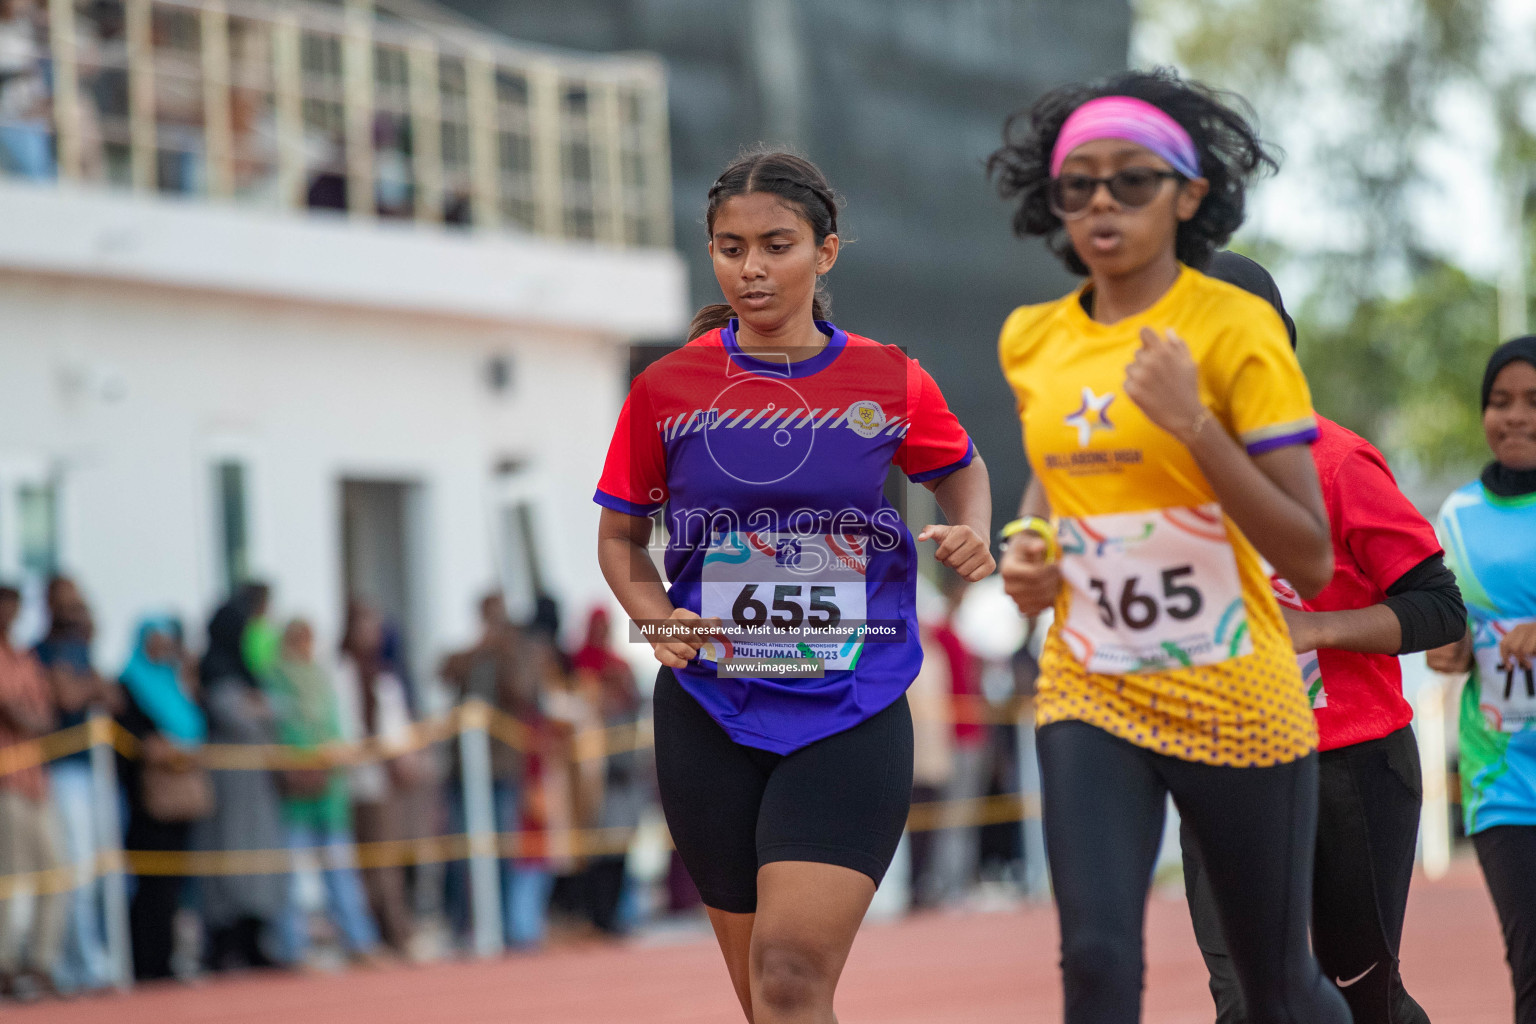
{"points": [[1093, 415]]}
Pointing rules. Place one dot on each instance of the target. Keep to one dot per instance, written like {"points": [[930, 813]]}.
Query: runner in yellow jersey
{"points": [[1167, 422]]}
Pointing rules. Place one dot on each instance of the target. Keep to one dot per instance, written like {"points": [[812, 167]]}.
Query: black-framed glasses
{"points": [[1132, 187]]}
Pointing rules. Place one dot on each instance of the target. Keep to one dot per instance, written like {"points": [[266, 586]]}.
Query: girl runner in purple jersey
{"points": [[768, 438]]}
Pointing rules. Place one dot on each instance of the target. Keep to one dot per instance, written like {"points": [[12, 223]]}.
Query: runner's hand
{"points": [[1519, 645], [1452, 658], [678, 651], [1164, 382], [1302, 625], [962, 549], [1028, 578]]}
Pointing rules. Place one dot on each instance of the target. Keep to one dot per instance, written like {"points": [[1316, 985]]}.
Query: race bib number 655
{"points": [[1152, 590], [785, 595]]}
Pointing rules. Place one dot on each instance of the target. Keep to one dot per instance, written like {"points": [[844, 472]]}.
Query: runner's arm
{"points": [[1034, 502], [1028, 578], [1273, 497], [965, 497], [632, 576], [1423, 609]]}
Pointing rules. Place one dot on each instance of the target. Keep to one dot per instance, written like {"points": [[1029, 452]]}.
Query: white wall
{"points": [[394, 265], [134, 390]]}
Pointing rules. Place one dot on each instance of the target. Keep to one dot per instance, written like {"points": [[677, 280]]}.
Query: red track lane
{"points": [[934, 969]]}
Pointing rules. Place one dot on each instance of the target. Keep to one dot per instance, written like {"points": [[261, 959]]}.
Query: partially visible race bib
{"points": [[1152, 590], [786, 595], [1508, 692], [1311, 671]]}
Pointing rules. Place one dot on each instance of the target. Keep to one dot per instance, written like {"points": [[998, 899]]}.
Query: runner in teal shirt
{"points": [[1488, 529]]}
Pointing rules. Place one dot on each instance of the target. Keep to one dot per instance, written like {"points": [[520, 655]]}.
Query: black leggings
{"points": [[1369, 796], [1508, 856], [1103, 800]]}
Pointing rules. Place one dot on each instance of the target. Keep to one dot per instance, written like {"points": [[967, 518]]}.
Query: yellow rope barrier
{"points": [[587, 745], [592, 744], [529, 844]]}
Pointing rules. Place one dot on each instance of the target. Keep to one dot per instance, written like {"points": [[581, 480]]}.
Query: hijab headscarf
{"points": [[1500, 479], [225, 657], [309, 699], [1251, 277], [613, 673], [156, 687], [367, 658]]}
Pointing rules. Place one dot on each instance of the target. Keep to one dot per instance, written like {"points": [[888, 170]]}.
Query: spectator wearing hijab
{"points": [[239, 911], [374, 707], [316, 805], [29, 839], [168, 724], [65, 652]]}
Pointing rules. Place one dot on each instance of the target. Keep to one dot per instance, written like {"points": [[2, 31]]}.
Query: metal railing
{"points": [[345, 106]]}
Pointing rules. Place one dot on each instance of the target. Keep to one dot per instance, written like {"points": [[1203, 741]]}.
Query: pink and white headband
{"points": [[1125, 117]]}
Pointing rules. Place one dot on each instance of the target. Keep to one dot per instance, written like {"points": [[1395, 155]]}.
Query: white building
{"points": [[198, 388]]}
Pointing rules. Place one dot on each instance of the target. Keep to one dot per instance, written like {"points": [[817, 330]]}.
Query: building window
{"points": [[523, 577], [231, 491], [37, 530]]}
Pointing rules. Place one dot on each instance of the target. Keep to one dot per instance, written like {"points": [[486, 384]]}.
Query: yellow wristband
{"points": [[1039, 527]]}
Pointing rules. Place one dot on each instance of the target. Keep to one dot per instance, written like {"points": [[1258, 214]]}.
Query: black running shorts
{"points": [[842, 800]]}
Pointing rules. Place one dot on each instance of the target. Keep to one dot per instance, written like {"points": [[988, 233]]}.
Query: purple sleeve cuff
{"points": [[629, 508], [960, 463], [1269, 444]]}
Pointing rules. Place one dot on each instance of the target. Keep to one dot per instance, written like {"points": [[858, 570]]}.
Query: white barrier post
{"points": [[1037, 878], [1435, 817], [109, 847], [480, 824]]}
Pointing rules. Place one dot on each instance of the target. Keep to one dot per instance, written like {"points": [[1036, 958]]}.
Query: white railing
{"points": [[343, 106]]}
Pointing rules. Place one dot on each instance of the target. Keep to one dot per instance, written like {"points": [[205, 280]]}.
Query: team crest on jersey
{"points": [[787, 552], [866, 418]]}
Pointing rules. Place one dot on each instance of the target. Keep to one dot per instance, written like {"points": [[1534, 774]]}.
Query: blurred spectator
{"points": [[169, 726], [29, 832], [626, 786], [374, 707], [394, 182], [26, 132], [178, 99], [240, 911], [104, 88], [253, 123], [549, 811], [316, 803], [65, 651], [495, 670], [955, 848]]}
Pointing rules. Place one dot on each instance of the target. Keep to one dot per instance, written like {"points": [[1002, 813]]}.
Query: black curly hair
{"points": [[1231, 155]]}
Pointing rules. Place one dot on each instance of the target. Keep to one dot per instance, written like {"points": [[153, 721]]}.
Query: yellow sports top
{"points": [[1096, 453]]}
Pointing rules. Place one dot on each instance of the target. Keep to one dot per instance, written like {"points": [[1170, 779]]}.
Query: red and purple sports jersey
{"points": [[1377, 537], [773, 473]]}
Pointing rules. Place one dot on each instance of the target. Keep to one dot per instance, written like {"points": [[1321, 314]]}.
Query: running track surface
{"points": [[934, 969]]}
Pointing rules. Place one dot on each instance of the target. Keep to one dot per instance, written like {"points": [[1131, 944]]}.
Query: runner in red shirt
{"points": [[1391, 594]]}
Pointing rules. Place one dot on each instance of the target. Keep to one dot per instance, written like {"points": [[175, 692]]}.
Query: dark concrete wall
{"points": [[899, 101]]}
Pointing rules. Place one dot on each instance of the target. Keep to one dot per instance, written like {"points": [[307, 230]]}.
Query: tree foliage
{"points": [[1393, 337]]}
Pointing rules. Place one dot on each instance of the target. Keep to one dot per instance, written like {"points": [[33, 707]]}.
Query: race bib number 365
{"points": [[787, 595], [1152, 590], [1508, 688]]}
